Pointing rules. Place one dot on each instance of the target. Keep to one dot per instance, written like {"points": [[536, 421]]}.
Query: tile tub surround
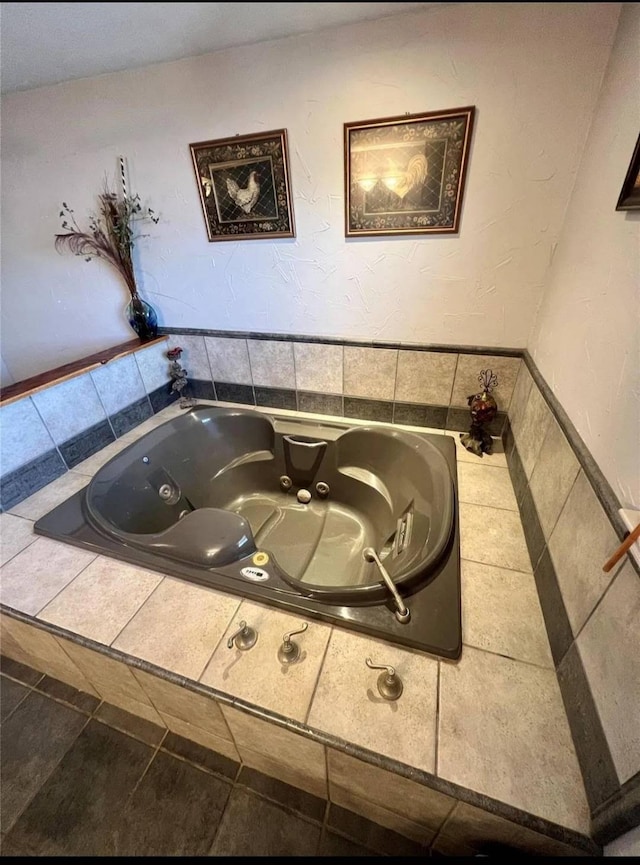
{"points": [[592, 618], [61, 426], [169, 660]]}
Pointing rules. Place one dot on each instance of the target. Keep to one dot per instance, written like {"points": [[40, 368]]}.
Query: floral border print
{"points": [[629, 198], [406, 175], [244, 186]]}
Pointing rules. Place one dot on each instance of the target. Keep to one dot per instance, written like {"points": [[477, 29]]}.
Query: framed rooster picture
{"points": [[244, 186], [406, 175]]}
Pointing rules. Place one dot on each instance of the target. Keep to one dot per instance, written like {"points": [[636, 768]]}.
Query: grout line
{"points": [[315, 687], [163, 577], [453, 381], [55, 443], [148, 766], [600, 600], [66, 586], [511, 657]]}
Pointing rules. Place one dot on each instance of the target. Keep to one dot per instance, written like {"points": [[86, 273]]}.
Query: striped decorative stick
{"points": [[124, 179]]}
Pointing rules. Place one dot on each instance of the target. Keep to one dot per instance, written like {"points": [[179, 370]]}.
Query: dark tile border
{"points": [[162, 397], [26, 480], [87, 443], [129, 417], [321, 403], [203, 757], [229, 392], [553, 609], [276, 397], [293, 798], [618, 814], [330, 340], [199, 388], [20, 672], [414, 414], [371, 835], [368, 409], [133, 725], [449, 788], [598, 771], [86, 703]]}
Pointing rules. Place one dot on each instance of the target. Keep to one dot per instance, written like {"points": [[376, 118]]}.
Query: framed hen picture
{"points": [[244, 186], [406, 175]]}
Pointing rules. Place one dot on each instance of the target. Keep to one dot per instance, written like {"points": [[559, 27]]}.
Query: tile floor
{"points": [[81, 777]]}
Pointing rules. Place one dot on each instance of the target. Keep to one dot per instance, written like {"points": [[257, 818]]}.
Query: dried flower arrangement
{"points": [[111, 236]]}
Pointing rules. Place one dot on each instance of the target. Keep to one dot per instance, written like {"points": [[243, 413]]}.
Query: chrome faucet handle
{"points": [[389, 683], [290, 651], [244, 638]]}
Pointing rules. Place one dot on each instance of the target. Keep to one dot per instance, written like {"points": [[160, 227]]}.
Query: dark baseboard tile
{"points": [[368, 409], [320, 403], [533, 534], [199, 388], [619, 814], [87, 443], [241, 393], [598, 771], [372, 835], [600, 484], [516, 469], [555, 615], [129, 417], [22, 482], [276, 397], [459, 419], [162, 397], [331, 340], [414, 414]]}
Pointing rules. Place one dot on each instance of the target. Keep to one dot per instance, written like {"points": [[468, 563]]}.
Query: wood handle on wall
{"points": [[628, 542]]}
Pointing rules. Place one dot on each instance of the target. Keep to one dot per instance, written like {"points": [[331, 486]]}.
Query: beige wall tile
{"points": [[347, 703], [501, 613], [486, 485], [553, 476], [531, 430], [49, 497], [582, 541], [493, 537], [142, 710], [520, 397], [609, 646], [256, 675], [467, 372], [32, 578], [370, 372], [41, 651], [16, 534], [113, 680], [183, 704], [102, 599], [318, 367], [194, 354], [272, 363], [282, 747], [425, 377], [381, 816], [421, 804], [297, 777], [504, 733], [10, 648], [229, 359], [178, 627], [202, 737]]}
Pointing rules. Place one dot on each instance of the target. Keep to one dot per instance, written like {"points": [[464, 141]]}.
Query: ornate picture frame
{"points": [[629, 198], [244, 186], [406, 174]]}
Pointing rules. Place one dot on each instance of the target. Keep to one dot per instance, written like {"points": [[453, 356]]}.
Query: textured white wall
{"points": [[532, 70], [586, 339]]}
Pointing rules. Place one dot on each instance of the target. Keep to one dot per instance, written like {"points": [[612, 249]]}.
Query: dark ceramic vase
{"points": [[142, 318]]}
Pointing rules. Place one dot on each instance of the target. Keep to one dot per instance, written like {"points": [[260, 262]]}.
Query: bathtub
{"points": [[349, 524]]}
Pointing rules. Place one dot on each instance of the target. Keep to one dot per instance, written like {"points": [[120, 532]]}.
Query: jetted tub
{"points": [[282, 510]]}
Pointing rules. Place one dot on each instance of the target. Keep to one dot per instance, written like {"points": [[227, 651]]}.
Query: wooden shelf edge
{"points": [[36, 383]]}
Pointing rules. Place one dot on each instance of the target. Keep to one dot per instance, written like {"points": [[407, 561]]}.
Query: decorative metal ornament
{"points": [[179, 377], [483, 408]]}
